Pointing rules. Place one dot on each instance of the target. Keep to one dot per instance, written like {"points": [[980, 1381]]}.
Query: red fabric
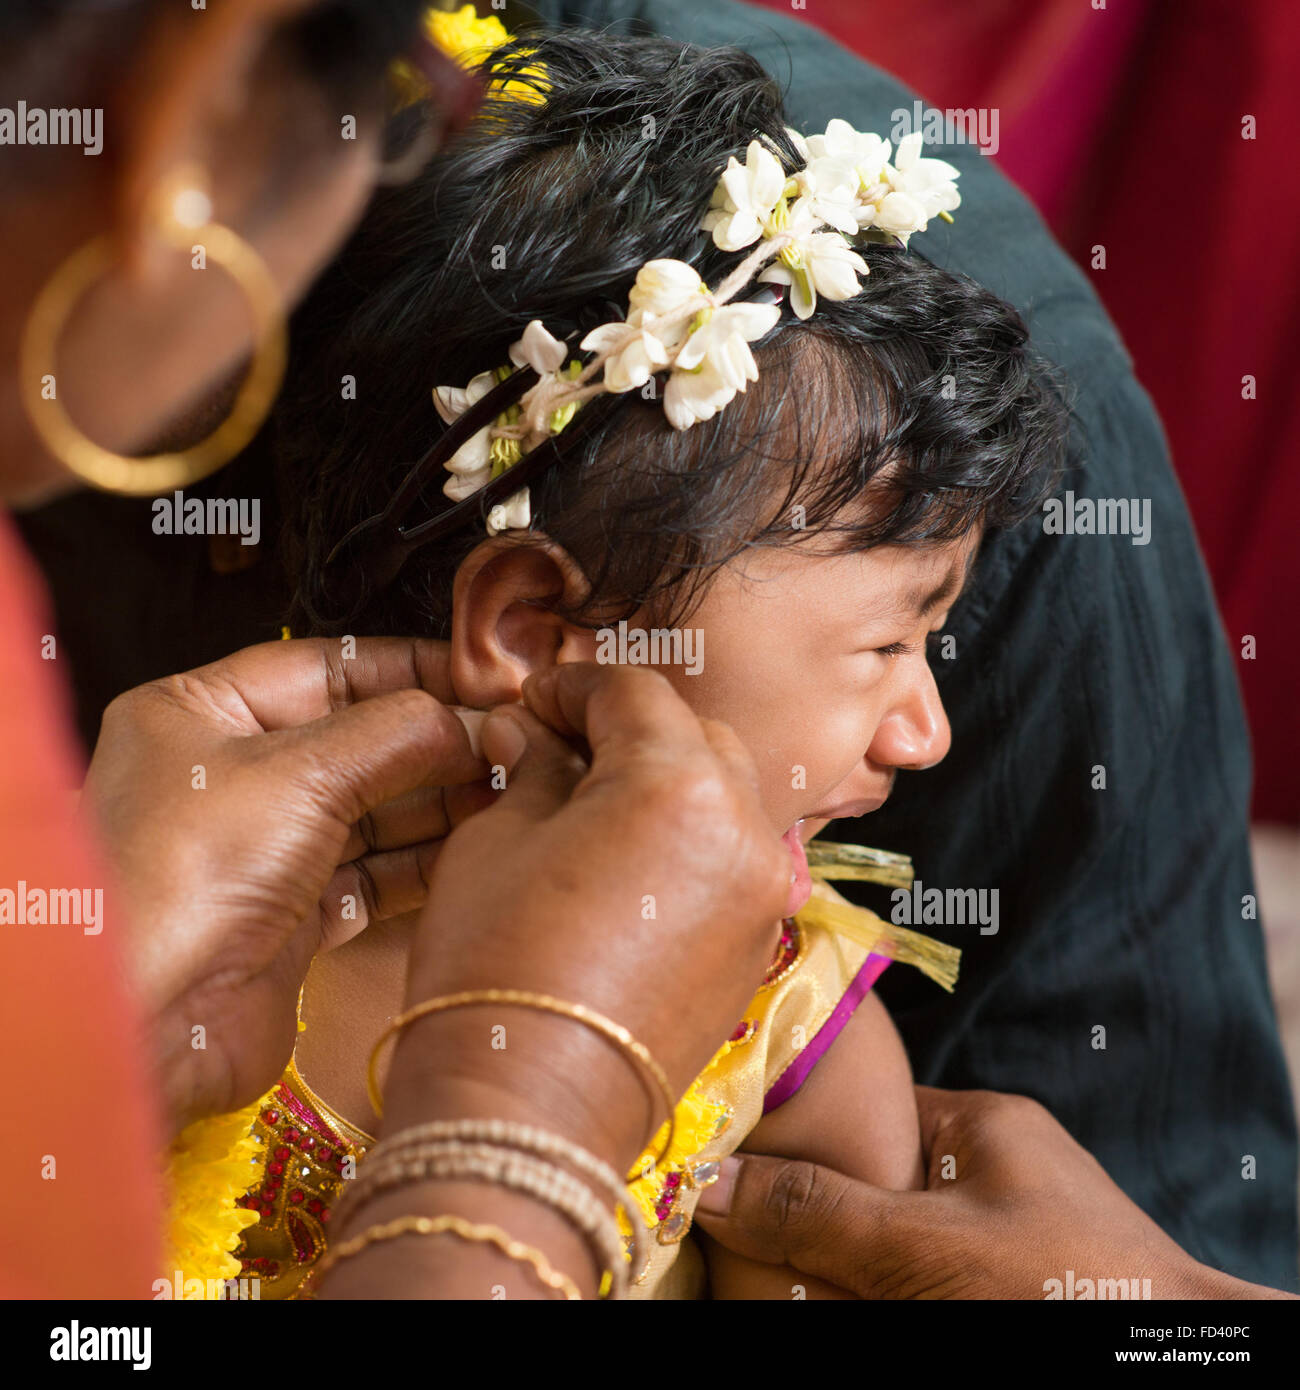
{"points": [[1124, 124], [73, 1086]]}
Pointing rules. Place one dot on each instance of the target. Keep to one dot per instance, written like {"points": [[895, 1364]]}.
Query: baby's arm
{"points": [[856, 1112]]}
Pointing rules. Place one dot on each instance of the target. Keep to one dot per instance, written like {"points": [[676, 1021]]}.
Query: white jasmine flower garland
{"points": [[804, 221]]}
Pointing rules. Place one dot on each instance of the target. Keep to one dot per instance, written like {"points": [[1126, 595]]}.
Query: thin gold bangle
{"points": [[537, 1178], [598, 1023], [528, 1139], [513, 1249]]}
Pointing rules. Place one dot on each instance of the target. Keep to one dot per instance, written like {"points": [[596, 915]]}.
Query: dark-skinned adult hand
{"points": [[639, 876], [628, 867], [1011, 1202], [257, 811]]}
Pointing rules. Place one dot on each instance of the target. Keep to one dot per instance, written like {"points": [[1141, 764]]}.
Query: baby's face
{"points": [[818, 662], [820, 666]]}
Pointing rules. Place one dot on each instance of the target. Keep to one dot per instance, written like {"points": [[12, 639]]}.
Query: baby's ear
{"points": [[508, 602]]}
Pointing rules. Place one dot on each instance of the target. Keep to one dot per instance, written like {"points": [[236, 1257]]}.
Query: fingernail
{"points": [[716, 1198], [472, 719], [503, 740]]}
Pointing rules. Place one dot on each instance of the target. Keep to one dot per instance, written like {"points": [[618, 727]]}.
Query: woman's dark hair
{"points": [[922, 389]]}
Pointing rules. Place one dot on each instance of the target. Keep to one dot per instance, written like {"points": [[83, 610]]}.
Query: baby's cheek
{"points": [[791, 785], [822, 755]]}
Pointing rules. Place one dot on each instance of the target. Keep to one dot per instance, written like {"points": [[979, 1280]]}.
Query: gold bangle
{"points": [[598, 1023], [528, 1139], [513, 1249], [545, 1182]]}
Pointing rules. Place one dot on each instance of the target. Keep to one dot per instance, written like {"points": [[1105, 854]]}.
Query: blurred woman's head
{"points": [[280, 104]]}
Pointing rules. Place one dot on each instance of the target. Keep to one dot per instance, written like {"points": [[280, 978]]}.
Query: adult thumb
{"points": [[539, 769], [368, 753], [818, 1221]]}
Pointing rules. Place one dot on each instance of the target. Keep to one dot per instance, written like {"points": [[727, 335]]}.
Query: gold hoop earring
{"points": [[183, 215]]}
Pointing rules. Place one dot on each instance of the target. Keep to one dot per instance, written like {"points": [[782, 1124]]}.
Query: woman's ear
{"points": [[507, 622], [208, 88]]}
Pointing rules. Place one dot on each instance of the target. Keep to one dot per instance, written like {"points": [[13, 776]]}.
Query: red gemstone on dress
{"points": [[275, 1168], [266, 1208], [282, 1153], [291, 1136], [296, 1195], [323, 1154], [309, 1142], [315, 1204], [272, 1117]]}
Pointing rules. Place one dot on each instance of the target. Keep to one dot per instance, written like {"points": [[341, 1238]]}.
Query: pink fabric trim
{"points": [[798, 1071]]}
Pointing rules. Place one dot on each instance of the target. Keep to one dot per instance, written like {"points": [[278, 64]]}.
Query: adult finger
{"points": [[374, 888], [729, 750], [938, 1109], [614, 708], [780, 1211], [427, 813], [998, 1123], [371, 753], [541, 769], [284, 684]]}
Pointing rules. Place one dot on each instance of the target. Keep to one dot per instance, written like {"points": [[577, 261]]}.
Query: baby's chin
{"points": [[809, 828]]}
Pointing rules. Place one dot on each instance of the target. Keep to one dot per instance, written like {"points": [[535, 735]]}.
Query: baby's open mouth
{"points": [[800, 878]]}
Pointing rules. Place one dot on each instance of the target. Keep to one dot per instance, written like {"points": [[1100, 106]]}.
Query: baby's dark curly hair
{"points": [[922, 392]]}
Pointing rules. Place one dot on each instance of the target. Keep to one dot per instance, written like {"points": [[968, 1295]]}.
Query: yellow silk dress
{"points": [[253, 1192]]}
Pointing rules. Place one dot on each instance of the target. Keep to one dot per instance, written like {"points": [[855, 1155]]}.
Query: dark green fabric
{"points": [[1121, 908]]}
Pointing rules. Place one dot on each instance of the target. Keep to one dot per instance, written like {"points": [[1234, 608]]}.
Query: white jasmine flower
{"points": [[715, 362], [664, 286], [699, 394], [635, 353], [724, 338], [920, 189], [640, 347], [820, 263], [539, 350], [462, 485], [453, 401], [867, 153], [514, 514], [744, 199], [470, 465], [830, 189], [900, 214]]}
